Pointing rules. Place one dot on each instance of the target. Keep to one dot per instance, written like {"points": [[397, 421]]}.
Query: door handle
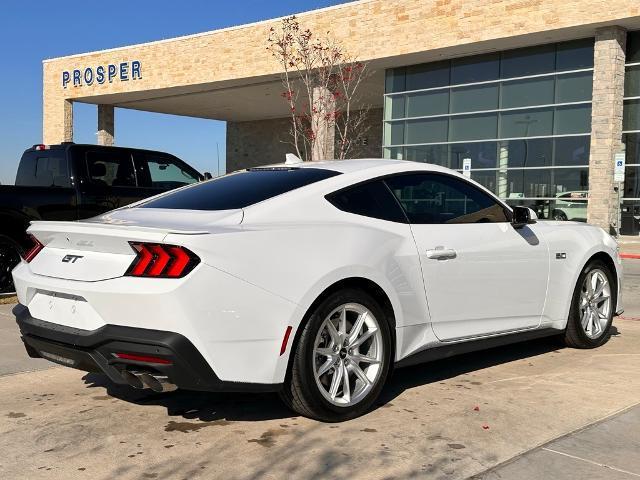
{"points": [[441, 253]]}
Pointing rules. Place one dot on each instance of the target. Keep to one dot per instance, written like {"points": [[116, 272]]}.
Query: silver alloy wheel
{"points": [[347, 354], [595, 303]]}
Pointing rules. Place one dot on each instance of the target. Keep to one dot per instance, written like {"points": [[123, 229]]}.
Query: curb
{"points": [[630, 255]]}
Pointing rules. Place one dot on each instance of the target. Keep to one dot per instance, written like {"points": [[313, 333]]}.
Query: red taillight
{"points": [[41, 147], [161, 261], [34, 250], [142, 358]]}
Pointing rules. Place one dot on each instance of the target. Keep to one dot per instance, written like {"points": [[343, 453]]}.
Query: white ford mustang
{"points": [[312, 280]]}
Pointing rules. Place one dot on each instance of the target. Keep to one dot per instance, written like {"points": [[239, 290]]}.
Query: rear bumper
{"points": [[93, 351]]}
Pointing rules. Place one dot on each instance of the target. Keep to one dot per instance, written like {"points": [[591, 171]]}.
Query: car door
{"points": [[482, 276], [109, 180]]}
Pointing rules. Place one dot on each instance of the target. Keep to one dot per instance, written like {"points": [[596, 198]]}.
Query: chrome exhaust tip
{"points": [[133, 379], [157, 383]]}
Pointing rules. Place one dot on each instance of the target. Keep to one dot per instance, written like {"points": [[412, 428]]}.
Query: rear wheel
{"points": [[592, 307], [9, 258], [341, 360]]}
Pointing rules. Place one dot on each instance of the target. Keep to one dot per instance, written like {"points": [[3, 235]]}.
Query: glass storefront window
{"points": [[394, 132], [528, 61], [394, 80], [572, 119], [479, 68], [436, 154], [631, 115], [427, 75], [394, 106], [574, 55], [525, 153], [435, 102], [531, 91], [632, 81], [633, 47], [505, 112], [572, 150], [428, 130], [632, 182], [574, 87], [473, 127], [526, 123], [632, 143], [545, 182], [394, 153], [474, 98], [481, 154]]}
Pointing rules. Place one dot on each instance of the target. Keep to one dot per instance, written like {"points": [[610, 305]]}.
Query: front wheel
{"points": [[341, 360], [592, 307], [9, 258]]}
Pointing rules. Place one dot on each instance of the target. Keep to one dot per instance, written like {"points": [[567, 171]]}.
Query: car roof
{"points": [[365, 164]]}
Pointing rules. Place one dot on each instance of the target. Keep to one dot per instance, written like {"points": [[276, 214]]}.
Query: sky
{"points": [[33, 30]]}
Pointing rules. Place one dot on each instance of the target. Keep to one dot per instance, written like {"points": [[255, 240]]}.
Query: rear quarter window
{"points": [[239, 190], [371, 199]]}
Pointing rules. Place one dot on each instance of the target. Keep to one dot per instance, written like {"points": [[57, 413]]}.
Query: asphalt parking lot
{"points": [[533, 410]]}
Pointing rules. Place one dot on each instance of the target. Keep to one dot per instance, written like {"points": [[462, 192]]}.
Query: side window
{"points": [[435, 198], [371, 199], [112, 168], [165, 172]]}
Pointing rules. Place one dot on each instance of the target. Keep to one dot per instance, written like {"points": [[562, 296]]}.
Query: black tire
{"points": [[301, 393], [9, 258], [575, 335], [559, 215]]}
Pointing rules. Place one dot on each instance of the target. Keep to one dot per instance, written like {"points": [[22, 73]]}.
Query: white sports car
{"points": [[313, 280]]}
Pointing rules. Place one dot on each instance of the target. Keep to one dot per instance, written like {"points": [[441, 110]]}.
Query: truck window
{"points": [[44, 168], [113, 168], [164, 172]]}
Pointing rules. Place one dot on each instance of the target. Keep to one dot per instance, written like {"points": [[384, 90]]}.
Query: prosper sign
{"points": [[123, 72]]}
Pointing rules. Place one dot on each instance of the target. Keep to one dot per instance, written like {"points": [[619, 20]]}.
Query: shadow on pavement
{"points": [[211, 407]]}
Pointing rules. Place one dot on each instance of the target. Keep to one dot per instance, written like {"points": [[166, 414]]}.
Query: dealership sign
{"points": [[121, 72]]}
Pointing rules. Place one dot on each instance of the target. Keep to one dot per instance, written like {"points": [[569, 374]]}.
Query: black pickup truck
{"points": [[72, 181]]}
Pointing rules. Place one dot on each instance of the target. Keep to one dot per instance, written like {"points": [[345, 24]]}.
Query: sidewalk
{"points": [[629, 246], [606, 450]]}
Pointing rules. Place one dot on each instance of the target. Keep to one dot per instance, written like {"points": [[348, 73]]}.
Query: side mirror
{"points": [[523, 216], [207, 176]]}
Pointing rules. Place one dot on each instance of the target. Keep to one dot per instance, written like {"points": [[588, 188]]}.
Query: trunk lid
{"points": [[99, 248]]}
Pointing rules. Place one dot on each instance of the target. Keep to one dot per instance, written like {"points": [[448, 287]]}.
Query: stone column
{"points": [[57, 121], [324, 145], [606, 125], [105, 125]]}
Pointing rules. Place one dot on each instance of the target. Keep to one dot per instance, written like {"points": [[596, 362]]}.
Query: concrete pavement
{"points": [[448, 419], [13, 358], [607, 450]]}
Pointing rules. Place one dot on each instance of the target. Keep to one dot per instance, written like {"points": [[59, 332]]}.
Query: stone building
{"points": [[537, 98]]}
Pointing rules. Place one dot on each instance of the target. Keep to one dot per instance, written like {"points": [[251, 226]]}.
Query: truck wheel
{"points": [[559, 215], [341, 360], [9, 258], [592, 307]]}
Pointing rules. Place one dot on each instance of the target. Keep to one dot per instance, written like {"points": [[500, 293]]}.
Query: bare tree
{"points": [[322, 85]]}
